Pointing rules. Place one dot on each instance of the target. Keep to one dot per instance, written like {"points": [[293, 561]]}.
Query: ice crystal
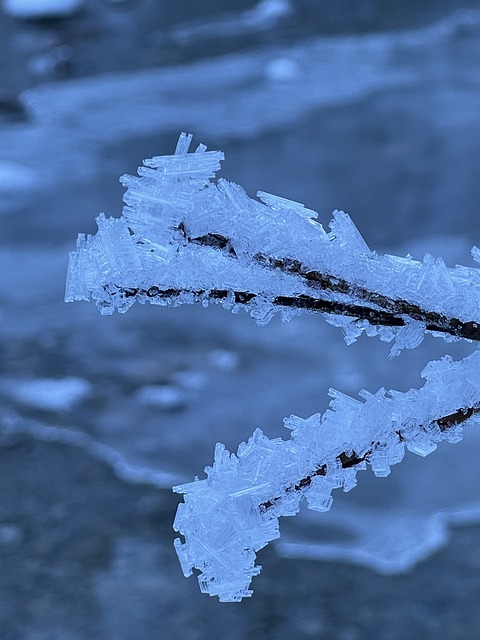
{"points": [[227, 517], [185, 237]]}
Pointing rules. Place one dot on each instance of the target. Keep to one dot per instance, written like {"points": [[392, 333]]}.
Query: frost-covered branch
{"points": [[234, 512], [184, 238], [377, 317], [375, 308]]}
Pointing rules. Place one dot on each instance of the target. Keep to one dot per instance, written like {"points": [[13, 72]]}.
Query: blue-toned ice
{"points": [[184, 238]]}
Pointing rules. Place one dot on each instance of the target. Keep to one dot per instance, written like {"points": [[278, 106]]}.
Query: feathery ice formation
{"points": [[184, 238], [227, 517]]}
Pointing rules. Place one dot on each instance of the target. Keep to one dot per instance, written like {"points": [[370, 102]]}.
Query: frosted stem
{"points": [[227, 517], [349, 460], [185, 238], [378, 317], [391, 312]]}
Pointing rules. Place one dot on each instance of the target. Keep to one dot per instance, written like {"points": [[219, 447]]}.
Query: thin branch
{"points": [[301, 302], [347, 460], [391, 312], [227, 517], [377, 309]]}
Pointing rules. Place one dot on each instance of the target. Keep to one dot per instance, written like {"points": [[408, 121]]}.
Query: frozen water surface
{"points": [[47, 393], [384, 126]]}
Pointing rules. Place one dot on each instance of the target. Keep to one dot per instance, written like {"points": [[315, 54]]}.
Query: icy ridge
{"points": [[126, 470]]}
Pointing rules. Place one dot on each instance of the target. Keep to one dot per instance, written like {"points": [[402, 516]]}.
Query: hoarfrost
{"points": [[185, 238], [229, 516]]}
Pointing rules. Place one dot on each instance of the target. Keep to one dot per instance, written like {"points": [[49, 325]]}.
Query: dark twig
{"points": [[379, 310], [301, 302], [347, 460]]}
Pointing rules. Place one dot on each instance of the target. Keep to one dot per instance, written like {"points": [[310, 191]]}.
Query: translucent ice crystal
{"points": [[233, 513], [184, 237]]}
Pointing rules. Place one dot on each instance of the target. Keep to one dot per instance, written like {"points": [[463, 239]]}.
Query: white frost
{"points": [[184, 238]]}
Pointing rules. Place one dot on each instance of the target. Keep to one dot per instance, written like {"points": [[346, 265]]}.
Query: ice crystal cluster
{"points": [[185, 237], [234, 512]]}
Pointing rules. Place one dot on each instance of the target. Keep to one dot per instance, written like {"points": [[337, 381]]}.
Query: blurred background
{"points": [[369, 106]]}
